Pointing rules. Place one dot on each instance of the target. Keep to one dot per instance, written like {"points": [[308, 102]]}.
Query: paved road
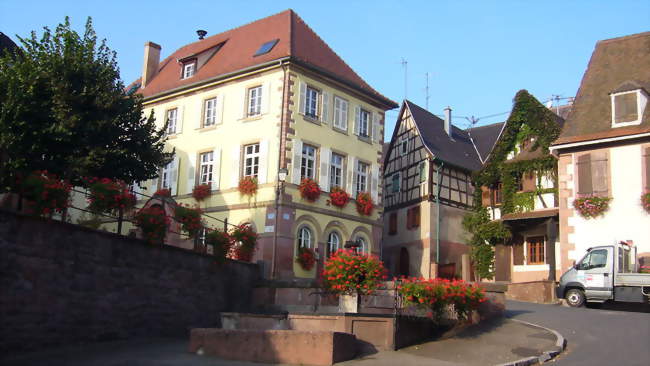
{"points": [[612, 335]]}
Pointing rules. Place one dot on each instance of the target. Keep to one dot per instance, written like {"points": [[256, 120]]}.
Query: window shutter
{"points": [[375, 128], [216, 169], [243, 107], [324, 181], [518, 250], [218, 118], [198, 122], [344, 109], [584, 174], [528, 182], [599, 176], [179, 119], [416, 218], [235, 156], [485, 196], [327, 105], [173, 176], [357, 118], [295, 162], [191, 172], [392, 224], [647, 168], [303, 98], [374, 183], [262, 173], [351, 177], [266, 97], [409, 218]]}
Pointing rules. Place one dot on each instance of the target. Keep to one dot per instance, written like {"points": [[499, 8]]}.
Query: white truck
{"points": [[607, 272]]}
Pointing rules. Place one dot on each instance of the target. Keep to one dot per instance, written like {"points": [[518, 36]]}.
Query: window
{"points": [[392, 223], [496, 194], [266, 47], [251, 160], [189, 69], [595, 259], [395, 182], [535, 250], [362, 177], [166, 182], [363, 246], [172, 118], [333, 243], [625, 107], [364, 123], [254, 101], [422, 171], [311, 102], [206, 168], [304, 237], [336, 171], [210, 108], [340, 113], [403, 146], [308, 163], [413, 218], [592, 174]]}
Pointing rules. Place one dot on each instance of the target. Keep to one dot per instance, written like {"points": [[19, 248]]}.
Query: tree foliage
{"points": [[63, 109], [485, 233]]}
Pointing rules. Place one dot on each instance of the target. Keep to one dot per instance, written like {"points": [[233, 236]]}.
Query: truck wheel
{"points": [[575, 297]]}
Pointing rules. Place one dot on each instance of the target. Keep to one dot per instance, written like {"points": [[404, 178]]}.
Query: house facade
{"points": [[257, 100], [604, 150], [427, 192]]}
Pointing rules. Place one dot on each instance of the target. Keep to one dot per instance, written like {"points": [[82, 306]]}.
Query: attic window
{"points": [[189, 69], [628, 107], [266, 47]]}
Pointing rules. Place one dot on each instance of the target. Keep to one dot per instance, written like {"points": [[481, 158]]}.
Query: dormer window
{"points": [[189, 68], [628, 107]]}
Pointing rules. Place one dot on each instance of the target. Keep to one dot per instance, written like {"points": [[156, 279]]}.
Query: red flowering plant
{"points": [[106, 195], [201, 192], [436, 296], [309, 189], [592, 206], [153, 222], [364, 203], [45, 192], [645, 202], [339, 197], [306, 258], [248, 186], [220, 242], [244, 240], [644, 269], [347, 272], [163, 192], [190, 219]]}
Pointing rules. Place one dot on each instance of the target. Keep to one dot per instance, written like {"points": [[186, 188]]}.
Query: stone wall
{"points": [[535, 291], [62, 283]]}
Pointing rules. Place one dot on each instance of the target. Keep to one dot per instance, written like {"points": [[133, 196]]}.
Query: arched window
{"points": [[333, 243], [363, 248], [304, 237]]}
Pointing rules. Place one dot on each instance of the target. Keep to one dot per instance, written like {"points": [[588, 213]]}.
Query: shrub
{"points": [[201, 192], [45, 192], [592, 206], [248, 186], [153, 222], [220, 242], [364, 204], [309, 189], [107, 196], [190, 219], [306, 258], [347, 272], [244, 240], [339, 197]]}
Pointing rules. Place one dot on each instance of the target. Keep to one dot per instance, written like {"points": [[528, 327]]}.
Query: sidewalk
{"points": [[489, 343]]}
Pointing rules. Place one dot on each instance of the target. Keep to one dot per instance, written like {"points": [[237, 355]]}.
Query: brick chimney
{"points": [[151, 61], [448, 121]]}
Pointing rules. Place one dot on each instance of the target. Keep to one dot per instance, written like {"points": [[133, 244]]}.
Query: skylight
{"points": [[266, 47]]}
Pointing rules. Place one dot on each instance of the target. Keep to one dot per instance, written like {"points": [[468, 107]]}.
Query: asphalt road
{"points": [[612, 335]]}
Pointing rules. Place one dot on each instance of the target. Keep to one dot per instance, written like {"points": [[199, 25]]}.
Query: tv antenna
{"points": [[426, 91], [405, 66]]}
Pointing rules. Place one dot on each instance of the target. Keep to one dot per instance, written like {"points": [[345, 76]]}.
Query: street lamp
{"points": [[282, 176]]}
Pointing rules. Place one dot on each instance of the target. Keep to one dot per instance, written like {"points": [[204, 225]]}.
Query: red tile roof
{"points": [[296, 41]]}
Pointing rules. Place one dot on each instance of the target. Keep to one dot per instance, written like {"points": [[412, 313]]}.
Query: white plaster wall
{"points": [[625, 219]]}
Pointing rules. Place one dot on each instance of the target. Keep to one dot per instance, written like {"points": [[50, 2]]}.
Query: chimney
{"points": [[151, 61], [448, 121]]}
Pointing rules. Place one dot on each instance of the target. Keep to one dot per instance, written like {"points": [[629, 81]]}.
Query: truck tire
{"points": [[575, 297]]}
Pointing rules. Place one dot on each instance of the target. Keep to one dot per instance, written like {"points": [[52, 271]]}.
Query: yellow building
{"points": [[253, 100]]}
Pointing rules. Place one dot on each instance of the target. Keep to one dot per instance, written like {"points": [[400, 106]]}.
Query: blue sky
{"points": [[478, 54]]}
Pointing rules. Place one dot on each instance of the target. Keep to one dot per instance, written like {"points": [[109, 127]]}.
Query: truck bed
{"points": [[632, 279]]}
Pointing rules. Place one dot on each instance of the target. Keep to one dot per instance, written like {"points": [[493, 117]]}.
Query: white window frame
{"points": [[330, 242], [641, 101], [210, 112], [172, 122], [189, 69], [254, 105], [251, 160], [166, 176], [362, 176], [403, 146], [336, 171], [307, 171], [341, 107], [305, 236], [312, 101], [364, 124], [206, 167]]}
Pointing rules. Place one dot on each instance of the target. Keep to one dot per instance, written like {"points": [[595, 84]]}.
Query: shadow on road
{"points": [[621, 306]]}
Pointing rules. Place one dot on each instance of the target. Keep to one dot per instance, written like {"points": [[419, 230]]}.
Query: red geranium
{"points": [[106, 195], [645, 202], [45, 192], [339, 197], [347, 272], [309, 189], [364, 203], [153, 222], [220, 242], [190, 219], [244, 240], [163, 192], [201, 192], [306, 258], [592, 206], [248, 186]]}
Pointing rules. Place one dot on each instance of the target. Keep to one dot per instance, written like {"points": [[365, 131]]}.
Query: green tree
{"points": [[485, 234], [63, 108]]}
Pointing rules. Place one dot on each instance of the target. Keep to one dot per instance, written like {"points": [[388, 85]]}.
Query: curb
{"points": [[560, 345]]}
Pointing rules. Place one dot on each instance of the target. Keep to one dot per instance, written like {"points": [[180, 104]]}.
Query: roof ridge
{"points": [[623, 38]]}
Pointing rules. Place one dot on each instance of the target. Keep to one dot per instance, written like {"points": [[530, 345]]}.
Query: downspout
{"points": [[278, 192], [439, 179]]}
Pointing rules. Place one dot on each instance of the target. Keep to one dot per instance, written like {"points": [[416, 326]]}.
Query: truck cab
{"points": [[605, 273]]}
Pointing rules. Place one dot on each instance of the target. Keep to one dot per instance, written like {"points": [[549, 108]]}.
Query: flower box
{"points": [[108, 196], [592, 206], [339, 197], [201, 192], [645, 202], [248, 186], [45, 192], [364, 204], [309, 189], [153, 222], [189, 218]]}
